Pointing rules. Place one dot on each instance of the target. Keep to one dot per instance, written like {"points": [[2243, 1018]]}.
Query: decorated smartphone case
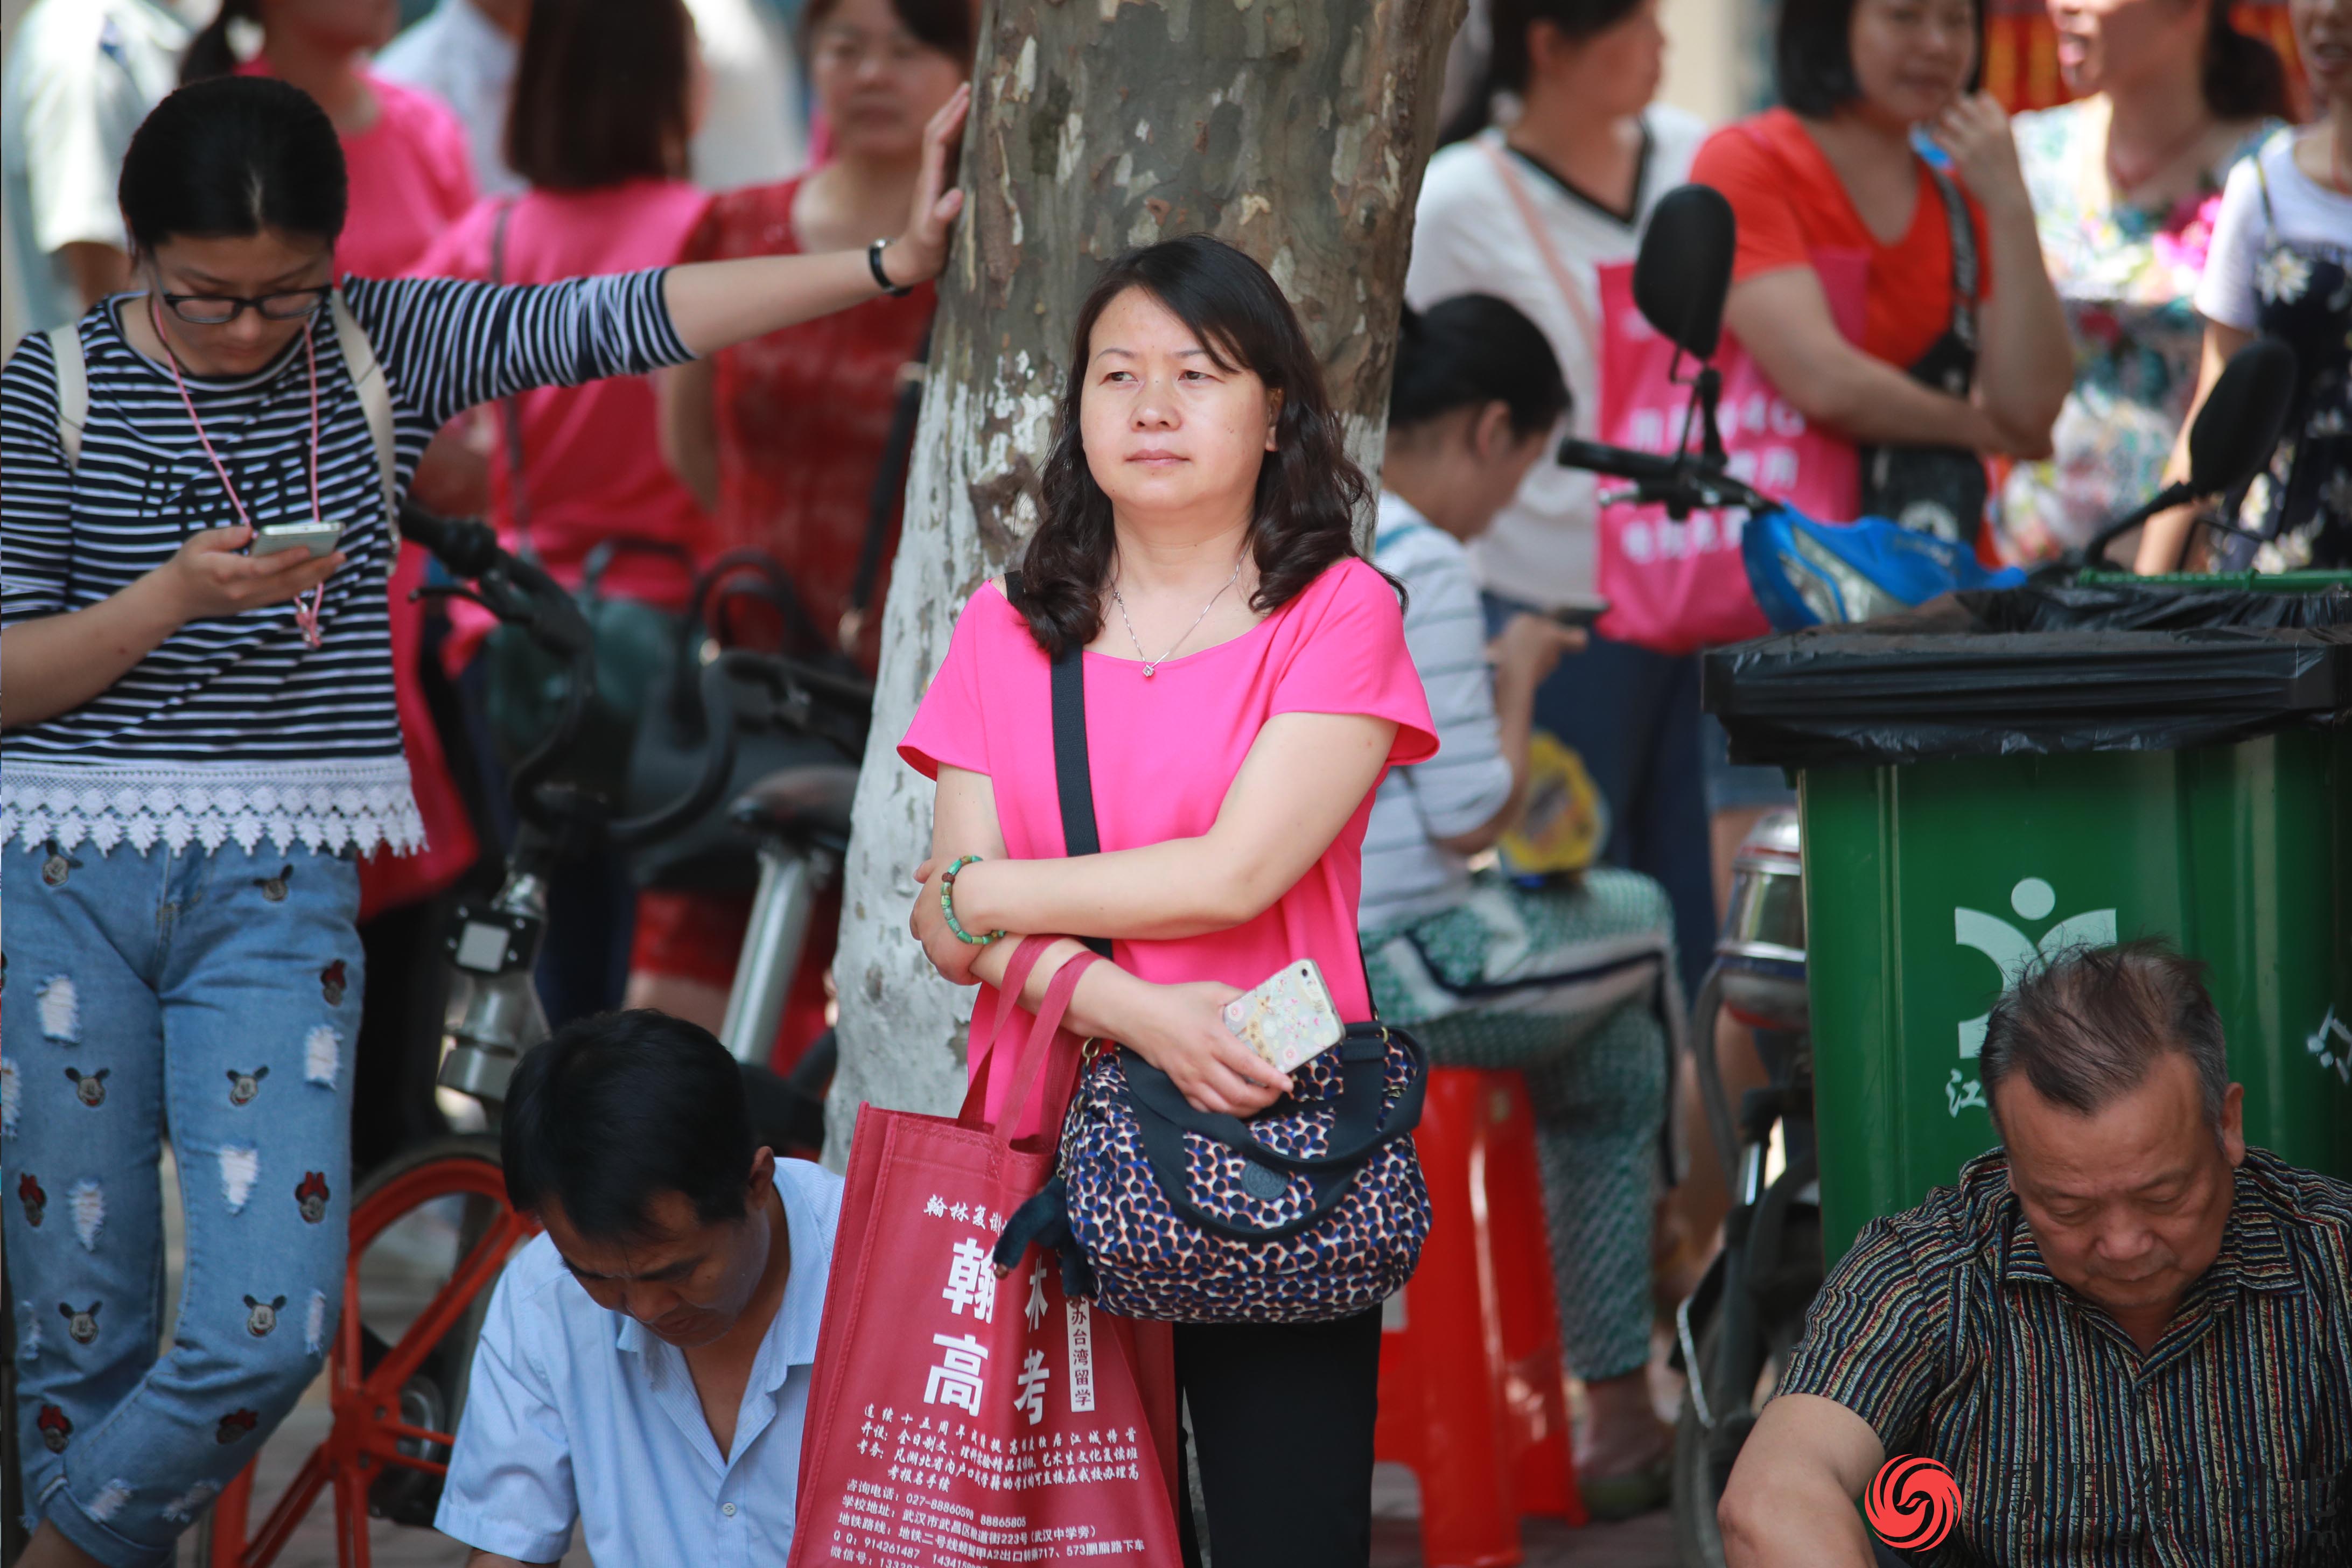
{"points": [[1289, 1018]]}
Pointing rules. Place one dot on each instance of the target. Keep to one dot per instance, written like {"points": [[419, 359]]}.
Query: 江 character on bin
{"points": [[2119, 1335], [645, 1366]]}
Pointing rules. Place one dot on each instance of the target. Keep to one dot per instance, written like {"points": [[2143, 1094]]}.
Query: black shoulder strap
{"points": [[1073, 774], [1964, 254]]}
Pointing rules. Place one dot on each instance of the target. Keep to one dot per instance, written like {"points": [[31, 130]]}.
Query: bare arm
{"points": [[2167, 535], [57, 663], [1783, 319], [716, 304], [1175, 1027], [492, 1560], [1789, 1502], [1303, 777], [2025, 356], [689, 432]]}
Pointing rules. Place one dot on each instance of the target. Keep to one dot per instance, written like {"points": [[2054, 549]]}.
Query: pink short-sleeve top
{"points": [[1162, 751]]}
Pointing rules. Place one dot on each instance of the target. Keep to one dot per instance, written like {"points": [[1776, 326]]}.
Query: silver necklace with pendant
{"points": [[1150, 663]]}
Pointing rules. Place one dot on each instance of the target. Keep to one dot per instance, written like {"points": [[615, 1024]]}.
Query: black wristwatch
{"points": [[873, 264]]}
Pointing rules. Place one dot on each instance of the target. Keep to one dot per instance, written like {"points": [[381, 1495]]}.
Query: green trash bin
{"points": [[1971, 799]]}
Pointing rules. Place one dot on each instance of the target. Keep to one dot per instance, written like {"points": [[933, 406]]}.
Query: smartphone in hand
{"points": [[317, 538], [1289, 1018]]}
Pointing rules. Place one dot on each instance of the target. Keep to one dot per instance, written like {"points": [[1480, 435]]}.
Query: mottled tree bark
{"points": [[1295, 128]]}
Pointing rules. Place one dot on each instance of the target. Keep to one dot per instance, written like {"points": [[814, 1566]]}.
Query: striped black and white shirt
{"points": [[1407, 875], [234, 728], [2229, 1441]]}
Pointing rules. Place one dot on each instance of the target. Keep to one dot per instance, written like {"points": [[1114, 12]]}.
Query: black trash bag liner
{"points": [[1977, 675], [2126, 609]]}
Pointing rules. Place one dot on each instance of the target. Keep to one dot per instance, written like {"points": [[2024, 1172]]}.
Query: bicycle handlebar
{"points": [[1682, 484]]}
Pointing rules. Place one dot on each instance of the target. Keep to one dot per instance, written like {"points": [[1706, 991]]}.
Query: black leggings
{"points": [[1282, 1426]]}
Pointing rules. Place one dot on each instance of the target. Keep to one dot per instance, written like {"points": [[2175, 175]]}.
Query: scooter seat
{"points": [[806, 804]]}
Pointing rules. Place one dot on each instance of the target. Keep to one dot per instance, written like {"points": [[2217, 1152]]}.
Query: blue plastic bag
{"points": [[1808, 574]]}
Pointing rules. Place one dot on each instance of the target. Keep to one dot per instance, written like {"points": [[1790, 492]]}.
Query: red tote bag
{"points": [[955, 1417], [1676, 587]]}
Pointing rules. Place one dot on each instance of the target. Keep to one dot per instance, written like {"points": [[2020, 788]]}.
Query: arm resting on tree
{"points": [[1783, 319], [716, 304], [1789, 1502]]}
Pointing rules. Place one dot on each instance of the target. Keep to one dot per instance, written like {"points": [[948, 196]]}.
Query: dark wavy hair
{"points": [[1308, 492]]}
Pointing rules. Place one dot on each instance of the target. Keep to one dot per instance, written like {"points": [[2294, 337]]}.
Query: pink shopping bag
{"points": [[1676, 587], [955, 1417]]}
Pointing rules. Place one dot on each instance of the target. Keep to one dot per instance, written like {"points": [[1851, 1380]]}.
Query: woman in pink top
{"points": [[404, 151], [604, 104], [603, 108], [1248, 685]]}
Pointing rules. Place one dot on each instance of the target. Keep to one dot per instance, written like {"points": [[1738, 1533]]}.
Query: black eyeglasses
{"points": [[219, 310]]}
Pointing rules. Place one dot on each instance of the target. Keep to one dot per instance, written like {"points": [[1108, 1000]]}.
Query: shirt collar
{"points": [[791, 1336]]}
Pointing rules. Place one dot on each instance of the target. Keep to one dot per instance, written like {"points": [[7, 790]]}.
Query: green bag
{"points": [[633, 641]]}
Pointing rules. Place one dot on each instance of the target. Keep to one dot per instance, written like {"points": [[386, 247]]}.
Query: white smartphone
{"points": [[1289, 1018], [317, 538]]}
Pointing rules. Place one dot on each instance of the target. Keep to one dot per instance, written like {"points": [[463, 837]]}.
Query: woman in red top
{"points": [[1835, 172], [780, 437]]}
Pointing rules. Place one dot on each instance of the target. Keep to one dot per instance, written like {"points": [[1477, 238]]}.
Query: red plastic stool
{"points": [[1473, 1397]]}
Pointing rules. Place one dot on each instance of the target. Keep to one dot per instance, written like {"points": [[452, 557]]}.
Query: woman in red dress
{"points": [[780, 437]]}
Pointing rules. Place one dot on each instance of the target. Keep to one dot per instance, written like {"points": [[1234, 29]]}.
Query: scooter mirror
{"points": [[1684, 269], [2239, 427]]}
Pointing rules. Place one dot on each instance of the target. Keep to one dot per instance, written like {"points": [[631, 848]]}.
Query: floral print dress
{"points": [[2125, 277], [2300, 506]]}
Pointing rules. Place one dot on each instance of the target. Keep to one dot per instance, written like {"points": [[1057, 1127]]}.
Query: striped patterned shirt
{"points": [[234, 728], [2230, 1442], [1407, 876]]}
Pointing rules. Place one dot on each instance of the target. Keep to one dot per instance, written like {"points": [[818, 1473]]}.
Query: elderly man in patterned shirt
{"points": [[2126, 1335]]}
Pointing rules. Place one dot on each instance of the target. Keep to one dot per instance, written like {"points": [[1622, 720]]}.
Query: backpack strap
{"points": [[73, 388], [375, 401]]}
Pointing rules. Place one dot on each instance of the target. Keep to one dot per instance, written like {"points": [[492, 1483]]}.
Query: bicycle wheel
{"points": [[394, 1398]]}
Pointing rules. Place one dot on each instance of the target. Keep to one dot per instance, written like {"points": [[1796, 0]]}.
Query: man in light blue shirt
{"points": [[643, 1369]]}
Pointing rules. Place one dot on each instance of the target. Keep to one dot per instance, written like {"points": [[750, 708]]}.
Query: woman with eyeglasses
{"points": [[202, 742]]}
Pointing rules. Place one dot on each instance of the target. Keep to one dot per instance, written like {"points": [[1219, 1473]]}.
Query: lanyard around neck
{"points": [[305, 616]]}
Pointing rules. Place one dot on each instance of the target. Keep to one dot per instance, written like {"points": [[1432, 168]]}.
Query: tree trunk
{"points": [[1295, 128]]}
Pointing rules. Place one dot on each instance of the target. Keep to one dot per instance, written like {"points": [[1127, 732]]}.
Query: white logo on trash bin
{"points": [[2011, 952], [2331, 1046]]}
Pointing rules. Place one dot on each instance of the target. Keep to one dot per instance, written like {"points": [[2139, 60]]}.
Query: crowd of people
{"points": [[558, 263]]}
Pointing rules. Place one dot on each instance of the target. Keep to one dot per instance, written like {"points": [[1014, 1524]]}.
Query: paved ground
{"points": [[397, 1281]]}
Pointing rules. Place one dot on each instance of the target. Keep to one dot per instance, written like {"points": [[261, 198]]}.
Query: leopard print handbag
{"points": [[1311, 1210]]}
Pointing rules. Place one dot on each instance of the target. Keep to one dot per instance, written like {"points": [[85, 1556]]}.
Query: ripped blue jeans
{"points": [[217, 995]]}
